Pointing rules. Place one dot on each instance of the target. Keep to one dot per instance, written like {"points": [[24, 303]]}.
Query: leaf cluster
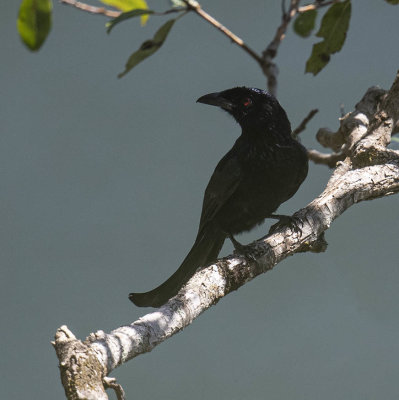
{"points": [[333, 29], [34, 24]]}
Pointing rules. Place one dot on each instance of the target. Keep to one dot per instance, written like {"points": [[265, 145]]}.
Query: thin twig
{"points": [[191, 5], [283, 8], [302, 126], [196, 7], [329, 159], [111, 383], [269, 68], [271, 49], [315, 6], [92, 9]]}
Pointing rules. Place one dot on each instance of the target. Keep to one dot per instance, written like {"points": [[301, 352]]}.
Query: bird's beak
{"points": [[216, 99]]}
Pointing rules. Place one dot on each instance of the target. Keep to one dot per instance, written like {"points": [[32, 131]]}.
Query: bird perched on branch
{"points": [[264, 168]]}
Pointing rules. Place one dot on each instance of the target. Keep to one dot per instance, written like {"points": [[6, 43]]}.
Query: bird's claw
{"points": [[241, 249], [245, 251], [292, 222]]}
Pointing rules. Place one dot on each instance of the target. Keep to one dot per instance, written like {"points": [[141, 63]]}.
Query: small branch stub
{"points": [[111, 383], [81, 372]]}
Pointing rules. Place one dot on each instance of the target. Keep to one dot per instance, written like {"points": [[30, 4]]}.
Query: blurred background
{"points": [[101, 190]]}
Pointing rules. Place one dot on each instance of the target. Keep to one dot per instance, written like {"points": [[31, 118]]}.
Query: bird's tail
{"points": [[205, 249]]}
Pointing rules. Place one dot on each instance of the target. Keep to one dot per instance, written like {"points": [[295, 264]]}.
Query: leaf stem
{"points": [[111, 13], [315, 6], [91, 9]]}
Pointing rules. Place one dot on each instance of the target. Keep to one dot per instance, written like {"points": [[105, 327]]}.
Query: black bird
{"points": [[264, 168]]}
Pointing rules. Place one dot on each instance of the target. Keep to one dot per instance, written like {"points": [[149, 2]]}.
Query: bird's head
{"points": [[252, 108]]}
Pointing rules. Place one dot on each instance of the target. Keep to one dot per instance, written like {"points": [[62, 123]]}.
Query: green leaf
{"points": [[149, 47], [333, 29], [126, 15], [34, 22], [128, 5], [304, 23], [392, 1]]}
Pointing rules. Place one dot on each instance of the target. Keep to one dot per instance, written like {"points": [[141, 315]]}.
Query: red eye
{"points": [[247, 102]]}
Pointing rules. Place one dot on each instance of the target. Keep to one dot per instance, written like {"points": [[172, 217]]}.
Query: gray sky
{"points": [[102, 183]]}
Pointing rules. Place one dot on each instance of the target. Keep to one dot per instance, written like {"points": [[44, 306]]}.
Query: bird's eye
{"points": [[247, 102]]}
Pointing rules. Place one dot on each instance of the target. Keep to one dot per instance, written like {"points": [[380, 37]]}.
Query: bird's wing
{"points": [[223, 183], [295, 162]]}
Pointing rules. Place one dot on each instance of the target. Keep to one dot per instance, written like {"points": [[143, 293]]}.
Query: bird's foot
{"points": [[242, 249], [284, 221]]}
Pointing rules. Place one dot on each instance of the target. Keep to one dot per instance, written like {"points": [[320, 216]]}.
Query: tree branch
{"points": [[329, 159], [353, 127], [369, 171], [270, 68]]}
